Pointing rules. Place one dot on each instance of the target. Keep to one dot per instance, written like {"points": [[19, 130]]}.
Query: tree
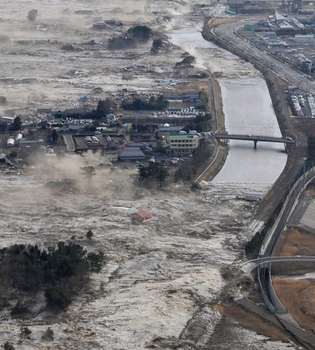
{"points": [[8, 346], [161, 174], [103, 107], [54, 137], [187, 61], [156, 46], [155, 104], [204, 98], [32, 15], [121, 42], [25, 333], [61, 272], [140, 33], [48, 335], [89, 234], [161, 102], [152, 99], [153, 172], [188, 169], [95, 261], [17, 123], [57, 298]]}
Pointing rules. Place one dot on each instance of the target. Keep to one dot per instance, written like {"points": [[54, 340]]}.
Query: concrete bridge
{"points": [[248, 266], [255, 138]]}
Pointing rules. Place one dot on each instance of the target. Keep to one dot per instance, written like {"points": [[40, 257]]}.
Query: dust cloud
{"points": [[160, 278]]}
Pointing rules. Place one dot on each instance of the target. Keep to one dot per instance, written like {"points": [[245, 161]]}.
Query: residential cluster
{"points": [[287, 39], [124, 142]]}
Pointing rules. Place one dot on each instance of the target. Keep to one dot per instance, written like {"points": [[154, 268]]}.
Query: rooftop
{"points": [[184, 136]]}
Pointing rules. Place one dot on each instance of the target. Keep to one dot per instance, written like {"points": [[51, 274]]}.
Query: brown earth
{"points": [[253, 322], [295, 241], [299, 298]]}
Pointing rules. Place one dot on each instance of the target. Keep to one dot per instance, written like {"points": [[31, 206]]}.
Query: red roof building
{"points": [[141, 217]]}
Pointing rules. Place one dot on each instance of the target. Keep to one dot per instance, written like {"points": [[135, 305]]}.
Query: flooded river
{"points": [[248, 110]]}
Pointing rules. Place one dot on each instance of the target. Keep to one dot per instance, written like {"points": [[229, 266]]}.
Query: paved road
{"points": [[259, 310], [69, 142], [228, 33], [281, 321]]}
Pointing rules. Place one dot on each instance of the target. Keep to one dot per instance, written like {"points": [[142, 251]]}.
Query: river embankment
{"points": [[296, 152]]}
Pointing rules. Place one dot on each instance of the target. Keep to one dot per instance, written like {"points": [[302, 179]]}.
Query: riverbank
{"points": [[296, 152], [221, 148], [272, 201]]}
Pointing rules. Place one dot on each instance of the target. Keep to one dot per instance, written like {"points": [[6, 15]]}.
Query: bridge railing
{"points": [[254, 138]]}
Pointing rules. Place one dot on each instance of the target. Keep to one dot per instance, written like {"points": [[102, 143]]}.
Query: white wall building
{"points": [[308, 38], [182, 143]]}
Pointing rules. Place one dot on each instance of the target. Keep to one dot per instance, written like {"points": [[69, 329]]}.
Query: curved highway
{"points": [[248, 266], [226, 37], [227, 32]]}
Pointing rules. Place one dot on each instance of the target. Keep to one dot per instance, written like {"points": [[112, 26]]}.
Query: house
{"points": [[141, 217], [144, 138], [114, 145], [307, 38], [141, 145], [44, 111], [144, 147], [84, 99], [114, 22], [110, 118], [43, 124], [167, 129], [76, 111], [100, 26], [131, 153]]}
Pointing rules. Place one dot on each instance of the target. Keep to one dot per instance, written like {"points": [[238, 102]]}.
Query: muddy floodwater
{"points": [[160, 279]]}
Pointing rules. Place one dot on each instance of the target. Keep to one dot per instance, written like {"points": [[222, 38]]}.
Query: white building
{"points": [[110, 118], [307, 38], [182, 143]]}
